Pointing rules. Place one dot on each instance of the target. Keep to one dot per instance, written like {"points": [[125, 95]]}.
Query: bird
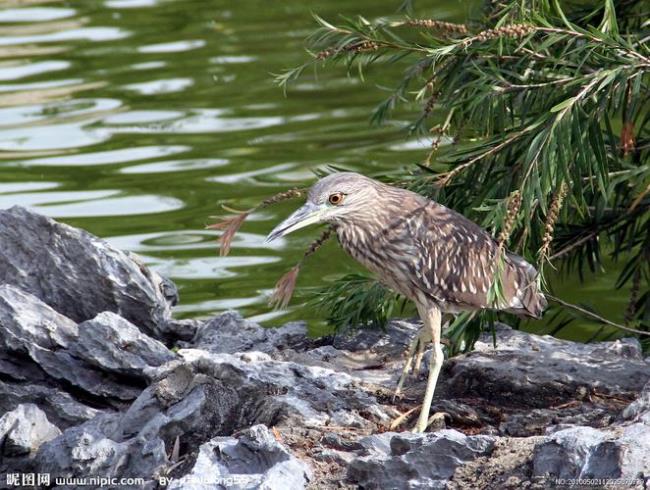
{"points": [[432, 255]]}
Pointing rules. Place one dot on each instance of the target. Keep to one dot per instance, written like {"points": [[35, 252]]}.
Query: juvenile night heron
{"points": [[430, 254]]}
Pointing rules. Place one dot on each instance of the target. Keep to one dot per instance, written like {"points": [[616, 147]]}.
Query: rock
{"points": [[587, 453], [538, 421], [254, 459], [79, 275], [639, 410], [409, 461], [59, 406], [392, 340], [24, 429], [372, 356], [95, 448], [230, 333], [180, 329], [538, 371], [36, 336], [287, 393], [115, 345], [507, 467], [204, 394]]}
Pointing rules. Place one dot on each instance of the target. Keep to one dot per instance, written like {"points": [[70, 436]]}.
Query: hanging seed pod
{"points": [[627, 138], [514, 203], [437, 25], [281, 196], [231, 225], [551, 218], [284, 288], [360, 47], [326, 53], [511, 31], [431, 102]]}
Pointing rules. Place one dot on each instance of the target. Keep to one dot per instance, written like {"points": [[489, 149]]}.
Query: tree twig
{"points": [[595, 316]]}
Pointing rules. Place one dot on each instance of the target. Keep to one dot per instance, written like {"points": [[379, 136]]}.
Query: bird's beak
{"points": [[307, 215]]}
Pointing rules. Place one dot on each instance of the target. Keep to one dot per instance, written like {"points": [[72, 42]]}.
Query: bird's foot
{"points": [[437, 420], [414, 355]]}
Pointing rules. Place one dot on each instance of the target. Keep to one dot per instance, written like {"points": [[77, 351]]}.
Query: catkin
{"points": [[514, 203], [360, 47], [231, 225], [326, 53], [284, 288], [281, 196], [437, 25], [431, 102], [318, 243], [512, 31], [551, 219]]}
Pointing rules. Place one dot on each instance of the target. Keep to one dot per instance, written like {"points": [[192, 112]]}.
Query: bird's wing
{"points": [[456, 264]]}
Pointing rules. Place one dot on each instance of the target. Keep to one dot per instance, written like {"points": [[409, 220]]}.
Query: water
{"points": [[137, 119]]}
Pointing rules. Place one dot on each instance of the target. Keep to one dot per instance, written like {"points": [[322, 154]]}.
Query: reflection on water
{"points": [[137, 119]]}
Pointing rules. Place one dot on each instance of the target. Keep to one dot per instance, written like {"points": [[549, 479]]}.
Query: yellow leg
{"points": [[414, 353], [407, 365], [425, 338], [433, 322]]}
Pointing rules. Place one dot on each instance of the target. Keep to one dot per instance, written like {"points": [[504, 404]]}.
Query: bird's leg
{"points": [[433, 321], [407, 365], [424, 338], [417, 344]]}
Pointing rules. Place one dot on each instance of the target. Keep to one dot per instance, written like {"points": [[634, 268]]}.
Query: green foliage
{"points": [[357, 300], [547, 103]]}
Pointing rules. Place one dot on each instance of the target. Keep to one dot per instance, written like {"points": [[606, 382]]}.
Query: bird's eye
{"points": [[336, 198]]}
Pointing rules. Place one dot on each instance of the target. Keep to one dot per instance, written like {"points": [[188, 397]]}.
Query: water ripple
{"points": [[30, 69], [110, 156], [174, 47], [205, 121], [96, 34], [166, 86], [175, 166], [35, 14], [61, 204], [51, 137]]}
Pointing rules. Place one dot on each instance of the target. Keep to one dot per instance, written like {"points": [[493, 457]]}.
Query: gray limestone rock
{"points": [[204, 394], [95, 448], [415, 461], [252, 460], [24, 429], [115, 345], [536, 371], [639, 409], [106, 356], [587, 453], [230, 333], [59, 406], [78, 274]]}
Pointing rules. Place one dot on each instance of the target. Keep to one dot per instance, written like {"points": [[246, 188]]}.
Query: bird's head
{"points": [[332, 199]]}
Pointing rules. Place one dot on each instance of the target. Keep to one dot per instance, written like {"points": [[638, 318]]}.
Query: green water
{"points": [[136, 119]]}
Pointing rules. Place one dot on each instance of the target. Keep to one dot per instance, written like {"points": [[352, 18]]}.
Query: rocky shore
{"points": [[97, 380]]}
